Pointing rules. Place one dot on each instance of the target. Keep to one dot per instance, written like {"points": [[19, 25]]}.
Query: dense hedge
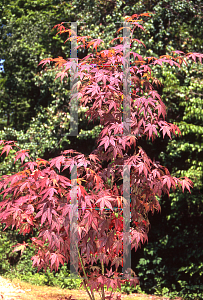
{"points": [[172, 261]]}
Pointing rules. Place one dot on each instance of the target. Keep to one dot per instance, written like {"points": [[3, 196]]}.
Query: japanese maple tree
{"points": [[40, 196]]}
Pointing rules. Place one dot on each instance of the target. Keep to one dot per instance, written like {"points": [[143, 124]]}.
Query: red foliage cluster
{"points": [[39, 196]]}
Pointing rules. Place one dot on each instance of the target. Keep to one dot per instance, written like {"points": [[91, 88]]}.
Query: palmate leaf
{"points": [[6, 149], [21, 154], [117, 261], [94, 157], [104, 201], [186, 183], [49, 193], [56, 258], [20, 247]]}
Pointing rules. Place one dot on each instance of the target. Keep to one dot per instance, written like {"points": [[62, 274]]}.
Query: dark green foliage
{"points": [[170, 259], [171, 263]]}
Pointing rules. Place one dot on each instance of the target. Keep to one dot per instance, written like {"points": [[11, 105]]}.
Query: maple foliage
{"points": [[39, 197]]}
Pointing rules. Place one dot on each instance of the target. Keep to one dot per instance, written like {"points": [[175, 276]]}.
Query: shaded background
{"points": [[34, 110]]}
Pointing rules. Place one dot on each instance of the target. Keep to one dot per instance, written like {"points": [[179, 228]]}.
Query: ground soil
{"points": [[16, 290], [9, 291]]}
